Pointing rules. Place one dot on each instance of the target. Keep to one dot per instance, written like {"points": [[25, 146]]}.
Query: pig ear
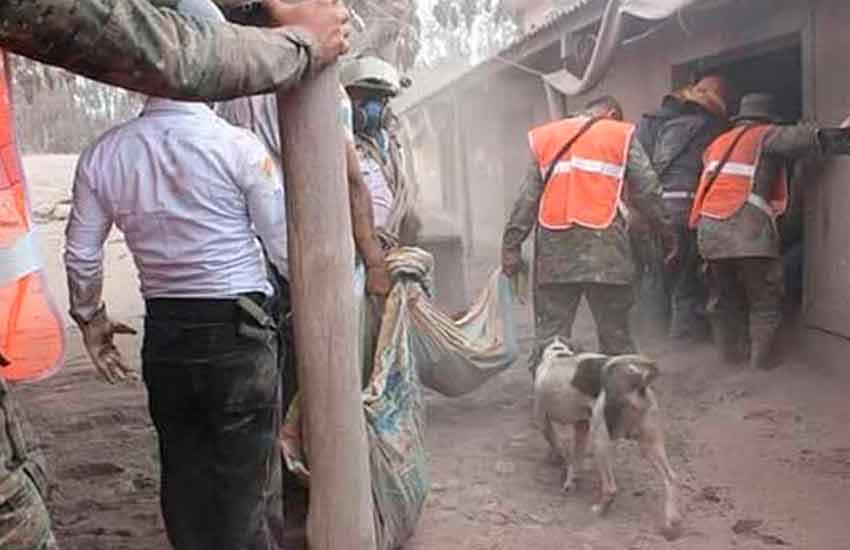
{"points": [[648, 369], [627, 373]]}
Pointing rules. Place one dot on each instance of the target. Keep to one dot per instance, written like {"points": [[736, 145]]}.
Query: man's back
{"points": [[175, 181]]}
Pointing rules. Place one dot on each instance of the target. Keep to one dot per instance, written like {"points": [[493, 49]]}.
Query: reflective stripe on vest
{"points": [[32, 334], [732, 188], [20, 259], [587, 182]]}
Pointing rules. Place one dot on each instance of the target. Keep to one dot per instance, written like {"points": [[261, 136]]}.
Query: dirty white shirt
{"points": [[379, 188], [259, 114], [191, 193]]}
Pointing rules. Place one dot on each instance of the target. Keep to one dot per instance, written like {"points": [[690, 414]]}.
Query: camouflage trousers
{"points": [[24, 520], [745, 307], [556, 305]]}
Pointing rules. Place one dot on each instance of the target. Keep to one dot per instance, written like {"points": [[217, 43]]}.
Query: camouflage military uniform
{"points": [[578, 261], [24, 521], [139, 46], [744, 255]]}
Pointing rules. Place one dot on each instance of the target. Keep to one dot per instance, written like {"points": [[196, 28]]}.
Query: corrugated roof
{"points": [[554, 18], [429, 83]]}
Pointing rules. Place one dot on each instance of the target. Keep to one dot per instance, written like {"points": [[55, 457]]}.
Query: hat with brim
{"points": [[757, 108]]}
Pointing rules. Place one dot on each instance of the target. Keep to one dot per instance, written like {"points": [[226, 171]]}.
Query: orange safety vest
{"points": [[587, 183], [733, 187], [31, 330]]}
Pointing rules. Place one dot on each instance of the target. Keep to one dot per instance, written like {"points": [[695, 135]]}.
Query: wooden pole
{"points": [[321, 252]]}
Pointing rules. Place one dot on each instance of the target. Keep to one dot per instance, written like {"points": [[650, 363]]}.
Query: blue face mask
{"points": [[369, 117], [369, 120]]}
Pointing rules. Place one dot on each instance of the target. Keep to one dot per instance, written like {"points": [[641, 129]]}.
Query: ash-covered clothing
{"points": [[191, 194], [379, 187], [143, 45], [393, 193], [24, 520], [213, 383], [745, 305], [580, 254], [555, 307], [675, 137], [259, 115], [750, 232]]}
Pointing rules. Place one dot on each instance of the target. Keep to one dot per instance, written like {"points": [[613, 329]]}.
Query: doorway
{"points": [[774, 67]]}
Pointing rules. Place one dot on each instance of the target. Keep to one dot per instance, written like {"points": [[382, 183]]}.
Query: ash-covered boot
{"points": [[728, 339], [763, 355]]}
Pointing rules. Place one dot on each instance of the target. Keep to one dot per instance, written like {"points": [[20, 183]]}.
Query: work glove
{"points": [[512, 262], [378, 280], [97, 336]]}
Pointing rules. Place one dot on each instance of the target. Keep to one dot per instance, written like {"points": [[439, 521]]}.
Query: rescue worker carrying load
{"points": [[573, 193], [371, 83], [743, 190]]}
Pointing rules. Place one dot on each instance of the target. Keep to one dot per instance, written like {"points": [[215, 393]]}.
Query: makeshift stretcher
{"points": [[417, 346]]}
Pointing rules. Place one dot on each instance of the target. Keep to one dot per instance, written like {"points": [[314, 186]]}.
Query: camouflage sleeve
{"points": [[644, 189], [793, 142], [154, 50], [524, 214]]}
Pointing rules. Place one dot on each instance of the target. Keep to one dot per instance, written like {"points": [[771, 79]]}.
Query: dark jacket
{"points": [[675, 138]]}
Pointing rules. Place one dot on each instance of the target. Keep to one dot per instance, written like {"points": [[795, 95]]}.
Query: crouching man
{"points": [[191, 195], [573, 195]]}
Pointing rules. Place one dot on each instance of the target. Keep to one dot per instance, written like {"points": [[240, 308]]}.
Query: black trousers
{"points": [[213, 386]]}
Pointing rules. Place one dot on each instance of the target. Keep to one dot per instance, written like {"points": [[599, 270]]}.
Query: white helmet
{"points": [[371, 73]]}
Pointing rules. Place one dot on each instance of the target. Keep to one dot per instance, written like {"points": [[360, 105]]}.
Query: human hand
{"points": [[378, 280], [97, 336], [672, 250], [512, 262], [328, 21]]}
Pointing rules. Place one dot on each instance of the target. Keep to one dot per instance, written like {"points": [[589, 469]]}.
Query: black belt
{"points": [[199, 310]]}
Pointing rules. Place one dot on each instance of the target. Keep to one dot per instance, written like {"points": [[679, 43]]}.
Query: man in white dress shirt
{"points": [[191, 194]]}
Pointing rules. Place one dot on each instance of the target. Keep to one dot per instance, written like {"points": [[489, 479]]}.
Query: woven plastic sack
{"points": [[417, 345]]}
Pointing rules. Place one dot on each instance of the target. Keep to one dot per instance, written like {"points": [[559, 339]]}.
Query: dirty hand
{"points": [[512, 262], [97, 336], [326, 20], [671, 250], [378, 280], [846, 123]]}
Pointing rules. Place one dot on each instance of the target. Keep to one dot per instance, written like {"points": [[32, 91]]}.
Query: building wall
{"points": [[642, 74], [496, 118], [494, 132], [827, 303]]}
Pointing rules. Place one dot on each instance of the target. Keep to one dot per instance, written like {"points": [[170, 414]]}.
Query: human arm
{"points": [[137, 45], [261, 180], [363, 221], [522, 220], [88, 226], [792, 142], [645, 194]]}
